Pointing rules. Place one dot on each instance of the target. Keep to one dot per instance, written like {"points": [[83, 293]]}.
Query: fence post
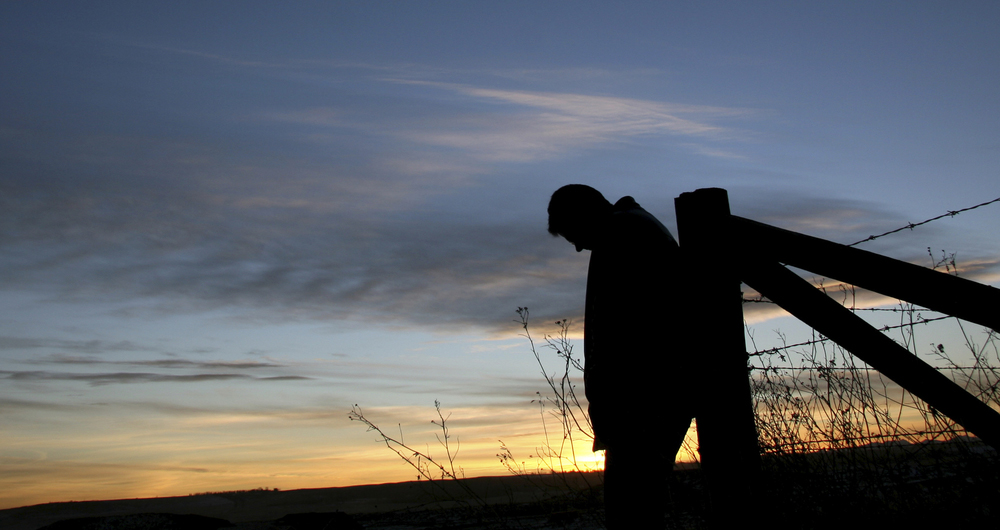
{"points": [[727, 434]]}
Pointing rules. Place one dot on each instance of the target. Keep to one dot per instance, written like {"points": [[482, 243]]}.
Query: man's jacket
{"points": [[631, 333]]}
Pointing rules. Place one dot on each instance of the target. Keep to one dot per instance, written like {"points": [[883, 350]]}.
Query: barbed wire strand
{"points": [[777, 349], [911, 226]]}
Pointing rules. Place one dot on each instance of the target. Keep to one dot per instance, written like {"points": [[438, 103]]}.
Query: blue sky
{"points": [[224, 223]]}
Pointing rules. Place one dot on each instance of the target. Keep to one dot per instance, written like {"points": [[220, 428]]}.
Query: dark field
{"points": [[895, 486], [519, 502]]}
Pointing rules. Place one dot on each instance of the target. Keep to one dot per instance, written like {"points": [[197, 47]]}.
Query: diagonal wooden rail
{"points": [[932, 289], [824, 314]]}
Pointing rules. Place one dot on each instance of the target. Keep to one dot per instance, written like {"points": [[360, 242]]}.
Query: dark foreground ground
{"points": [[532, 502], [886, 486]]}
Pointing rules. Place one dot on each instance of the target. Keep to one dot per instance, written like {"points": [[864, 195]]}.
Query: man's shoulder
{"points": [[625, 203], [630, 219]]}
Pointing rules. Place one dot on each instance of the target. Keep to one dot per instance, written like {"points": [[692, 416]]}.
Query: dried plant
{"points": [[561, 404]]}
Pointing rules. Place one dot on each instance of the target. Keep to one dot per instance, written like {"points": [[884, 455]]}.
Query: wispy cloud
{"points": [[617, 113], [81, 346], [524, 126], [162, 363], [101, 379], [13, 404], [711, 151]]}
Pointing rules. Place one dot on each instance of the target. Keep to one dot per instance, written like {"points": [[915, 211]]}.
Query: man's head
{"points": [[577, 212]]}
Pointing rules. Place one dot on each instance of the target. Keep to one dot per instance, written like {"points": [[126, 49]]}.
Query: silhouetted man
{"points": [[640, 406]]}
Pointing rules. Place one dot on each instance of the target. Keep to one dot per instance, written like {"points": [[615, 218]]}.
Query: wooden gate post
{"points": [[727, 434]]}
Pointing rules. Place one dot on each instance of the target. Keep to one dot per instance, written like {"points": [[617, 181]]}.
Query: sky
{"points": [[223, 224]]}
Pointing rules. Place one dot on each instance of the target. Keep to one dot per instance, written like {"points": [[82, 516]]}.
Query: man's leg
{"points": [[635, 489], [636, 476]]}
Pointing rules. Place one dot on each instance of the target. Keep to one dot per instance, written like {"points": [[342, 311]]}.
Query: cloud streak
{"points": [[164, 363], [101, 379], [527, 126], [558, 123], [79, 346]]}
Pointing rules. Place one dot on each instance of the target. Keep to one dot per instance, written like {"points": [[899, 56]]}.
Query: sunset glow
{"points": [[222, 225]]}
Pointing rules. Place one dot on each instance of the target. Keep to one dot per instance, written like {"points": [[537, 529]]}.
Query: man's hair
{"points": [[572, 203]]}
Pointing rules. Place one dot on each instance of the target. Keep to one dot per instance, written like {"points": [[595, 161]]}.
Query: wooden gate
{"points": [[722, 250]]}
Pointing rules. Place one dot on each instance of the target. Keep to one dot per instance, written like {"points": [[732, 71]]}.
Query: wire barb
{"points": [[911, 226]]}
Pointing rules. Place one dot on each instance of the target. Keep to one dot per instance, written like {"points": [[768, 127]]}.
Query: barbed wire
{"points": [[923, 436], [757, 300], [911, 226], [893, 309], [850, 369], [762, 300], [770, 351]]}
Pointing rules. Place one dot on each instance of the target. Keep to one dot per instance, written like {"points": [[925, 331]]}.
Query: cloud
{"points": [[163, 363], [285, 378], [102, 379], [526, 126], [391, 216], [385, 211], [711, 151], [319, 264], [435, 268], [571, 74], [617, 114], [8, 404], [80, 346]]}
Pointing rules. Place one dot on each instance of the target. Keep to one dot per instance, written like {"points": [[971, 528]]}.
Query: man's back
{"points": [[630, 320]]}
